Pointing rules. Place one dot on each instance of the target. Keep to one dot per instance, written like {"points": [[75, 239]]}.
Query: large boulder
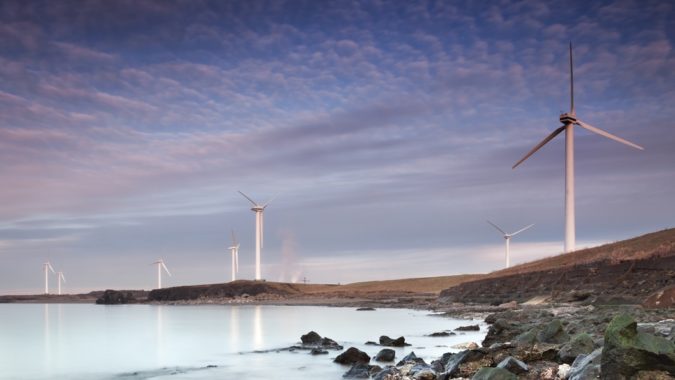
{"points": [[387, 341], [627, 351], [351, 356], [579, 344], [489, 373], [311, 338], [385, 355]]}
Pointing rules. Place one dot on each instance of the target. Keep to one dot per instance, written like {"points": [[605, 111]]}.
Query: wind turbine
{"points": [[569, 120], [508, 237], [234, 249], [258, 209], [48, 267], [160, 265], [60, 276]]}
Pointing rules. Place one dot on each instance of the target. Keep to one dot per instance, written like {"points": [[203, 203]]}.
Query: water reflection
{"points": [[47, 338], [234, 328], [258, 328], [160, 334]]}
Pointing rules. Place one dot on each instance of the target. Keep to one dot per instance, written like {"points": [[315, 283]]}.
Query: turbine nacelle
{"points": [[568, 118]]}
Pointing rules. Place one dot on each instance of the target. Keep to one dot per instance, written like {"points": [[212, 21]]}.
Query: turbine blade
{"points": [[607, 134], [571, 82], [50, 267], [270, 201], [63, 277], [495, 226], [166, 269], [246, 196], [521, 230], [536, 148], [234, 239]]}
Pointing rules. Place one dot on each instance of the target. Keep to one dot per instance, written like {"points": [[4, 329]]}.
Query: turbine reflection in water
{"points": [[257, 328]]}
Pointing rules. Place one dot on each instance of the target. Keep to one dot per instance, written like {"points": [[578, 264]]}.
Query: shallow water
{"points": [[76, 341]]}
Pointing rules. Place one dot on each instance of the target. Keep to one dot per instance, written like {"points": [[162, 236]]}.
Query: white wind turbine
{"points": [[234, 249], [47, 267], [258, 209], [160, 265], [569, 120], [508, 237], [60, 276]]}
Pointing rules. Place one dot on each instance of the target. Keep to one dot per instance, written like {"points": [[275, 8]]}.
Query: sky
{"points": [[385, 129]]}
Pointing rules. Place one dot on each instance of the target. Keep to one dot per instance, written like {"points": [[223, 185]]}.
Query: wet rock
{"points": [[488, 373], [553, 333], [424, 374], [627, 351], [358, 371], [579, 344], [441, 334], [513, 365], [586, 367], [389, 373], [501, 331], [330, 343], [468, 328], [318, 351], [410, 358], [352, 355], [387, 341], [371, 343], [365, 309], [311, 338], [385, 355]]}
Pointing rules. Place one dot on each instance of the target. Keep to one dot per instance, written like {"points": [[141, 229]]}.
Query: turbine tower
{"points": [[234, 249], [258, 209], [508, 237], [47, 267], [60, 276], [160, 265], [569, 120]]}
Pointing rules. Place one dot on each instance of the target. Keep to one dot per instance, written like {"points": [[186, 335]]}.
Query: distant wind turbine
{"points": [[60, 276], [569, 120], [47, 267], [234, 249], [508, 237], [258, 209], [160, 265]]}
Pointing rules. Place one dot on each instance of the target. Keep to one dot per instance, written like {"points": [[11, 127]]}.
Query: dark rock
{"points": [[527, 339], [653, 375], [387, 341], [385, 355], [541, 370], [553, 333], [371, 343], [501, 331], [389, 373], [114, 297], [351, 356], [452, 366], [311, 338], [488, 373], [411, 357], [586, 367], [327, 342], [627, 351], [513, 365], [468, 328], [318, 351], [358, 371], [580, 344], [441, 334], [365, 309]]}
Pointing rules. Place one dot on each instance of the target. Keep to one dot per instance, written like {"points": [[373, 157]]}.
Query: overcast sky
{"points": [[386, 128]]}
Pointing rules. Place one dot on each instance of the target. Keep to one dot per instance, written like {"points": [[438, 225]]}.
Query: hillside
{"points": [[622, 272]]}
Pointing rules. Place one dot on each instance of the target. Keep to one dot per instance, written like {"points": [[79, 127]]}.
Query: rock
{"points": [[371, 343], [579, 344], [664, 298], [488, 373], [457, 362], [586, 367], [513, 365], [351, 356], [387, 341], [553, 333], [114, 297], [441, 334], [311, 338], [385, 355], [509, 305], [563, 371], [365, 309], [330, 343], [358, 371], [627, 351], [389, 373], [541, 370], [425, 374], [318, 351], [468, 328], [527, 339], [410, 358], [501, 331], [653, 375]]}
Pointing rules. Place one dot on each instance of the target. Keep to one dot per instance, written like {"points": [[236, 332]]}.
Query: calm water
{"points": [[75, 341]]}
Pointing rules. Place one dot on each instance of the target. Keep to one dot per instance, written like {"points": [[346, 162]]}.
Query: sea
{"points": [[129, 342]]}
